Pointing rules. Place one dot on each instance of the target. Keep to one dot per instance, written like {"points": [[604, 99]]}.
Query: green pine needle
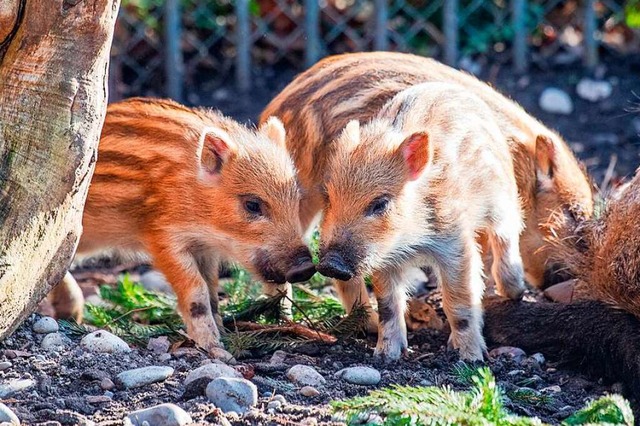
{"points": [[481, 405]]}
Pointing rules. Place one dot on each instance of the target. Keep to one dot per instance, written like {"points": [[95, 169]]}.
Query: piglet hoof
{"points": [[468, 349], [513, 291], [389, 352]]}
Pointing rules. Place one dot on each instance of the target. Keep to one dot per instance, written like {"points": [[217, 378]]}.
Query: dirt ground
{"points": [[68, 390], [67, 387]]}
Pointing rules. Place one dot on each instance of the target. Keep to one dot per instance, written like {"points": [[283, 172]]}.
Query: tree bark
{"points": [[53, 63]]}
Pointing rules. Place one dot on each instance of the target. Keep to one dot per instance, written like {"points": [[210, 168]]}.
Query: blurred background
{"points": [[573, 64]]}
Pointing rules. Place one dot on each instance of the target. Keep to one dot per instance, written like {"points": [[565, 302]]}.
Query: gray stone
{"points": [[360, 375], [278, 357], [212, 371], [8, 416], [594, 90], [538, 358], [160, 415], [155, 281], [159, 345], [606, 139], [104, 342], [54, 342], [555, 101], [107, 384], [280, 398], [143, 376], [231, 394], [516, 354], [305, 375], [9, 389], [309, 391], [45, 325], [5, 365], [274, 405]]}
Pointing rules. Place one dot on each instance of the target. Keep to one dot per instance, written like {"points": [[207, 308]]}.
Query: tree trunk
{"points": [[53, 61]]}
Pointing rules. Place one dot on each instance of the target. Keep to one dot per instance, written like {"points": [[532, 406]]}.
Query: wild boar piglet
{"points": [[413, 187]]}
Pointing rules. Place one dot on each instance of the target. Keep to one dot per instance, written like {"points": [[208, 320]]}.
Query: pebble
{"points": [[278, 357], [159, 345], [5, 365], [552, 389], [232, 394], [109, 394], [305, 375], [538, 358], [107, 384], [274, 405], [160, 415], [143, 376], [104, 342], [309, 391], [212, 371], [53, 342], [8, 416], [97, 399], [155, 281], [280, 398], [197, 380], [516, 354], [594, 90], [9, 389], [606, 139], [555, 101], [561, 292], [45, 325], [360, 375]]}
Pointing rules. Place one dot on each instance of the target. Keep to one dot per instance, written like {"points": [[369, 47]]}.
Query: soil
{"points": [[66, 380]]}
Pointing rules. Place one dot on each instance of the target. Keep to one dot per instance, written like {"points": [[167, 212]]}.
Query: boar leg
{"points": [[271, 289], [181, 269], [462, 289], [507, 269], [209, 267], [390, 287], [67, 299], [354, 293]]}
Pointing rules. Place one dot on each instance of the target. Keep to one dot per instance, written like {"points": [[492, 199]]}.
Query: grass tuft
{"points": [[481, 405]]}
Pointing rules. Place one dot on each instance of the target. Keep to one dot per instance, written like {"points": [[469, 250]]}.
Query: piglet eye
{"points": [[253, 207], [378, 206]]}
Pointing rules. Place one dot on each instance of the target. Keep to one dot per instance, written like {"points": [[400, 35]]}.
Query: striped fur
{"points": [[319, 103], [436, 154], [176, 183]]}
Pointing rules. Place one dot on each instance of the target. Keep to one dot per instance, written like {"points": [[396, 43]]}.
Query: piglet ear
{"points": [[416, 152], [545, 157], [351, 135], [274, 130], [214, 149]]}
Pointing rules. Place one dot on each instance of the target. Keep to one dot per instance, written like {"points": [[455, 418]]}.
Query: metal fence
{"points": [[162, 46]]}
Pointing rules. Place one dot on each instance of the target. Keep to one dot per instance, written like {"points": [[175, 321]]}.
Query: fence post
{"points": [[520, 31], [590, 42], [312, 30], [173, 65], [243, 45], [382, 12], [450, 23]]}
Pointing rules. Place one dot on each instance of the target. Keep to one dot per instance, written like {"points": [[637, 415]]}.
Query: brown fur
{"points": [[413, 187], [604, 253], [317, 105], [178, 184]]}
